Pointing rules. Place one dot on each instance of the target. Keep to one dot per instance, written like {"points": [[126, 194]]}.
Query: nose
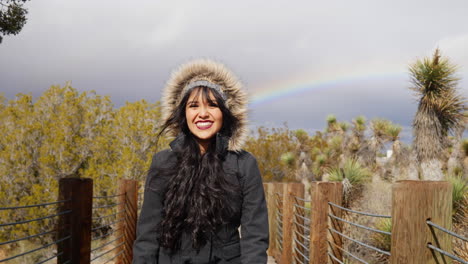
{"points": [[203, 112]]}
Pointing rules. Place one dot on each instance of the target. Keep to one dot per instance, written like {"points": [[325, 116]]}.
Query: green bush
{"points": [[352, 170], [460, 190], [380, 240]]}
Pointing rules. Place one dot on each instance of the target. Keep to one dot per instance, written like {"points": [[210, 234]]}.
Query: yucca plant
{"points": [[380, 240], [288, 159], [352, 170], [460, 190], [440, 110], [360, 123], [344, 126], [393, 131], [332, 124], [335, 142]]}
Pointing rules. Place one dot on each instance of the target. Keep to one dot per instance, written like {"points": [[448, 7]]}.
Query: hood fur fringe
{"points": [[216, 73]]}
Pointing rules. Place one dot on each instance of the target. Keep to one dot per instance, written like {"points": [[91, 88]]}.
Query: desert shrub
{"points": [[460, 191], [383, 241], [336, 174], [352, 170]]}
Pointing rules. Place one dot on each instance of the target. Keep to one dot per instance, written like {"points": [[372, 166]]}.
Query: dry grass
{"points": [[375, 197]]}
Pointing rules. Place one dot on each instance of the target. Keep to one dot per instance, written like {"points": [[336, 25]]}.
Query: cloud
{"points": [[456, 48], [127, 49]]}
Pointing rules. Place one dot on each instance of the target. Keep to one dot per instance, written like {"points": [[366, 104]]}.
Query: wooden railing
{"points": [[311, 230]]}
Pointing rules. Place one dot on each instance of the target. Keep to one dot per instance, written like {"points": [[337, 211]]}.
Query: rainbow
{"points": [[308, 82]]}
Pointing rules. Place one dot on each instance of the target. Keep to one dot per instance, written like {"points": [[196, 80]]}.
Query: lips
{"points": [[204, 124]]}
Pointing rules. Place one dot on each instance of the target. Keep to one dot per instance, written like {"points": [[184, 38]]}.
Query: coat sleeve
{"points": [[254, 219], [146, 246]]}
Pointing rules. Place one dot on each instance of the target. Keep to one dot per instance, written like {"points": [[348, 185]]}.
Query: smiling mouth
{"points": [[204, 125]]}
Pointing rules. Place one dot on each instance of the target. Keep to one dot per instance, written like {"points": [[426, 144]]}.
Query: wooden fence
{"points": [[80, 215], [311, 231], [301, 230]]}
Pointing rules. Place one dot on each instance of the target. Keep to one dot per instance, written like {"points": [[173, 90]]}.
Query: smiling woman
{"points": [[204, 118], [205, 186]]}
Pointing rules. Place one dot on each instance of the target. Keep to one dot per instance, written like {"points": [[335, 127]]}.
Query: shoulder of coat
{"points": [[163, 156], [243, 155]]}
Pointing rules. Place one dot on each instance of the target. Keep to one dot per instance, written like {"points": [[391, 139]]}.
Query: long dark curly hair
{"points": [[196, 198]]}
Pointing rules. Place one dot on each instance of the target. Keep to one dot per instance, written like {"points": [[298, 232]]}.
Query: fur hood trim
{"points": [[214, 72]]}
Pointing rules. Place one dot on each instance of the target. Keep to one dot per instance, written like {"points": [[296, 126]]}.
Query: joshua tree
{"points": [[368, 153], [332, 125], [357, 137], [440, 111]]}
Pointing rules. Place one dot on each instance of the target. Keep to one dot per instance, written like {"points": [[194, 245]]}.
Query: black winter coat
{"points": [[228, 246]]}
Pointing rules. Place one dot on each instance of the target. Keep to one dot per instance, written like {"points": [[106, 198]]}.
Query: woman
{"points": [[205, 186]]}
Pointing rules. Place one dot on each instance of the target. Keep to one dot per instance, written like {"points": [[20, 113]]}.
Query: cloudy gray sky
{"points": [[299, 60]]}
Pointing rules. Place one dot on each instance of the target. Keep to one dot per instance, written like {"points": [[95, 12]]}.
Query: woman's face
{"points": [[204, 119]]}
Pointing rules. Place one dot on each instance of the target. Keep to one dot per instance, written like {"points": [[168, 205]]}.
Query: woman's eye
{"points": [[192, 105], [213, 105]]}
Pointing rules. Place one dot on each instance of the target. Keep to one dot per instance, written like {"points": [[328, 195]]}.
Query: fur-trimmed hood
{"points": [[218, 74]]}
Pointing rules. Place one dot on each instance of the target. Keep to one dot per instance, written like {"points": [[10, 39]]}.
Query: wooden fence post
{"points": [[320, 194], [269, 194], [277, 200], [413, 203], [290, 190], [77, 224], [128, 203]]}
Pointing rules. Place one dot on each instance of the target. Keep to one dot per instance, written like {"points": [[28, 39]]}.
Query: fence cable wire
{"points": [[278, 204], [360, 226], [447, 231], [334, 258], [360, 243], [33, 205], [303, 236], [300, 243], [447, 254], [300, 252], [102, 217], [44, 261], [113, 223], [301, 199], [358, 212], [347, 253], [106, 206], [105, 235], [280, 243], [279, 213], [36, 219], [120, 244], [296, 249], [280, 246], [300, 206], [116, 255], [36, 249], [298, 260], [301, 225], [105, 244], [302, 217], [279, 227], [28, 237], [109, 196]]}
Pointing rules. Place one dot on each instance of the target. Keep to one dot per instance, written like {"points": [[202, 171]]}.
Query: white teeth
{"points": [[204, 124]]}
